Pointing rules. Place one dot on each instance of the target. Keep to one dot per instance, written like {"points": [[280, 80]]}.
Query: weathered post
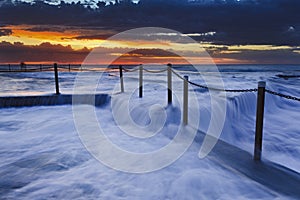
{"points": [[9, 67], [185, 100], [169, 83], [141, 81], [69, 67], [56, 78], [259, 119], [121, 78]]}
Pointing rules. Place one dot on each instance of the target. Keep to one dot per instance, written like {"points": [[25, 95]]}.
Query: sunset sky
{"points": [[231, 31]]}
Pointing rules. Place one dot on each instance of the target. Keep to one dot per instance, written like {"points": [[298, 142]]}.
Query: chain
{"points": [[155, 71], [216, 89], [223, 90], [190, 72], [150, 71], [283, 95], [241, 90], [178, 75], [132, 70], [195, 84]]}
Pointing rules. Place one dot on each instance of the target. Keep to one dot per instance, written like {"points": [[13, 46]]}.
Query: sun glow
{"points": [[79, 41]]}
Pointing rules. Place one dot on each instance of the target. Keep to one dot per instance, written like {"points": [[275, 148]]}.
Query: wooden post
{"points": [[9, 67], [259, 120], [185, 100], [121, 78], [69, 67], [169, 83], [41, 69], [141, 81], [56, 78]]}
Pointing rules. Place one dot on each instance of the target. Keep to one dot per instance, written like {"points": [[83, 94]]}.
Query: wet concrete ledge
{"points": [[53, 100]]}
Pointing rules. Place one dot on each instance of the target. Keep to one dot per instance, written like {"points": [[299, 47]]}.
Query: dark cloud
{"points": [[45, 52], [92, 37], [151, 53], [246, 22], [273, 22], [48, 29], [147, 56], [277, 56], [5, 32]]}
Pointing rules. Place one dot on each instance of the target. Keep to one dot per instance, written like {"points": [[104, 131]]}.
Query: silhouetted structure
{"points": [[23, 66]]}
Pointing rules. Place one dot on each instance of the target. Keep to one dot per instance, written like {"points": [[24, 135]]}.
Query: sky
{"points": [[231, 31]]}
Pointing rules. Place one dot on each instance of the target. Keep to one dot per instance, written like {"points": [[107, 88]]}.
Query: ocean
{"points": [[43, 153]]}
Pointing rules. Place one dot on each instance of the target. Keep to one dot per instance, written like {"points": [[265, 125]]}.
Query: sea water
{"points": [[43, 157]]}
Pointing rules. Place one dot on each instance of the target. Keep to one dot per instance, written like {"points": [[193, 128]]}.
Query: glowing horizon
{"points": [[71, 39], [44, 32]]}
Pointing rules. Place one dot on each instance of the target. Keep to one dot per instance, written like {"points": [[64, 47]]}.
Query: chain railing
{"points": [[41, 68], [261, 90], [69, 67], [175, 72], [131, 70], [283, 95], [25, 68], [155, 71], [211, 88]]}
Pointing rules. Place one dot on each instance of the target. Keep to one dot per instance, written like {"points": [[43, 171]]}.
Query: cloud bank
{"points": [[248, 22]]}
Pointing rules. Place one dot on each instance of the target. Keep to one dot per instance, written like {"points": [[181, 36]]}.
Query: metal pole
{"points": [[56, 78], [185, 100], [169, 83], [141, 82], [121, 78], [259, 119]]}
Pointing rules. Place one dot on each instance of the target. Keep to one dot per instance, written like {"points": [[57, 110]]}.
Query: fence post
{"points": [[185, 100], [141, 81], [56, 78], [259, 119], [169, 83], [121, 78]]}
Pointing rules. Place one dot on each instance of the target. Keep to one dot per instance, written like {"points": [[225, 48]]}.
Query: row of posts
{"points": [[259, 111], [259, 105], [23, 67], [169, 90]]}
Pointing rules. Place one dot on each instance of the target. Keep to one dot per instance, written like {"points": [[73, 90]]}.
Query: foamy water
{"points": [[43, 157]]}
